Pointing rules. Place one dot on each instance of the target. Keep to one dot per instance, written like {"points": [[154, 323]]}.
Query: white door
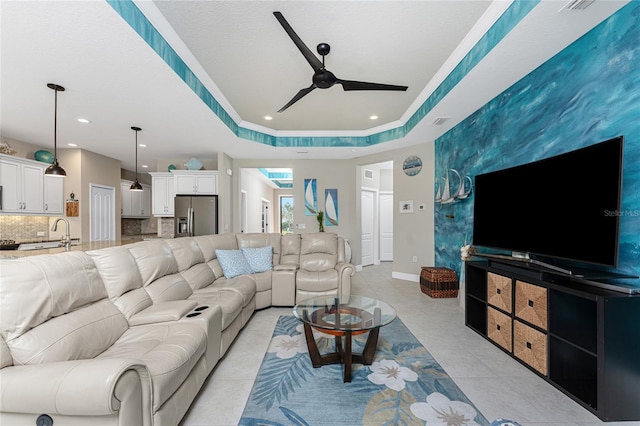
{"points": [[102, 213], [367, 204], [386, 226]]}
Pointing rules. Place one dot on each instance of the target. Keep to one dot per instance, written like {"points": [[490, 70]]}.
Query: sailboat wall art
{"points": [[331, 207], [310, 197]]}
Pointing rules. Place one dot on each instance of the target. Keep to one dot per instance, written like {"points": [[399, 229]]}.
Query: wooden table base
{"points": [[342, 355]]}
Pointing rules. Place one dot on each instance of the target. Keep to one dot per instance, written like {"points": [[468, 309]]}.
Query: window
{"points": [[286, 214]]}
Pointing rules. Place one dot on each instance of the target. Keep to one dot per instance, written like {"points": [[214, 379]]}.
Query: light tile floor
{"points": [[498, 386]]}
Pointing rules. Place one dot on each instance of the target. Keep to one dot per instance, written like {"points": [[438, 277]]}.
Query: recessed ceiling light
{"points": [[142, 145], [72, 144], [302, 152], [373, 117], [268, 117], [144, 166], [84, 121]]}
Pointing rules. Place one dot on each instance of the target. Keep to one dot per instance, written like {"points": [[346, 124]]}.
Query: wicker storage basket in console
{"points": [[439, 282]]}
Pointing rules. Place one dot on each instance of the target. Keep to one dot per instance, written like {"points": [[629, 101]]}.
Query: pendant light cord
{"points": [[55, 127]]}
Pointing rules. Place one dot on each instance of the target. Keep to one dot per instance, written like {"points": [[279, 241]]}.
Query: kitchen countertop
{"points": [[92, 245]]}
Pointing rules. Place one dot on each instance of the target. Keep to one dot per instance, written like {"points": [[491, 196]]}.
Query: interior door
{"points": [[367, 204], [386, 226], [102, 207]]}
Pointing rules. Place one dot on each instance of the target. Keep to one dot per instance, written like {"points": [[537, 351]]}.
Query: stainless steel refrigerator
{"points": [[196, 215]]}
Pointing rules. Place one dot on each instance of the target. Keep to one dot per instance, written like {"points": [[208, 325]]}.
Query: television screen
{"points": [[565, 206]]}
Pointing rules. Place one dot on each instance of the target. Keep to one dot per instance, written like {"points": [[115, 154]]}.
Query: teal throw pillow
{"points": [[260, 259], [232, 263]]}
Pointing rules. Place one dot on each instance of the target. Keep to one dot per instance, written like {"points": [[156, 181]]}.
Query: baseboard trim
{"points": [[406, 277]]}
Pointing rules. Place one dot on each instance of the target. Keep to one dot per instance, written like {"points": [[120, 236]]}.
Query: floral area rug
{"points": [[403, 386]]}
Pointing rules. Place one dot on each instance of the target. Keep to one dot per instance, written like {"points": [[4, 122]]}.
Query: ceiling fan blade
{"points": [[361, 85], [298, 96], [308, 55]]}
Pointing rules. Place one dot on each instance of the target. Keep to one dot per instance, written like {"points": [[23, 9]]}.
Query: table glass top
{"points": [[354, 313]]}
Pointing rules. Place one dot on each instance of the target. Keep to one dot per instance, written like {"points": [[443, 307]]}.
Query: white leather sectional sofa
{"points": [[127, 335]]}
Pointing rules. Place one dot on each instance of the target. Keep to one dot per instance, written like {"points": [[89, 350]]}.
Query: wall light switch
{"points": [[40, 234]]}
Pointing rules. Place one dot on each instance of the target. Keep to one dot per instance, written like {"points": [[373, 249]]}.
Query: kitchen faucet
{"points": [[66, 240]]}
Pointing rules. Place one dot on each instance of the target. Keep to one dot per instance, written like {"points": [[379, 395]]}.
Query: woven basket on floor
{"points": [[439, 282]]}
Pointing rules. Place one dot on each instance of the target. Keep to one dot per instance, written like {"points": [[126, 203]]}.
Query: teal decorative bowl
{"points": [[194, 164], [171, 167], [44, 156]]}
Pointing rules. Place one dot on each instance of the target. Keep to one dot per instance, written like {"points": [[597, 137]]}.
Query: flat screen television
{"points": [[564, 207]]}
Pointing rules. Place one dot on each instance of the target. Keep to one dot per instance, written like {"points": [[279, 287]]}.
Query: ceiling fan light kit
{"points": [[323, 78]]}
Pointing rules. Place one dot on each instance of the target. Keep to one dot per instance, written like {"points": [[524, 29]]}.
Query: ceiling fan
{"points": [[323, 78]]}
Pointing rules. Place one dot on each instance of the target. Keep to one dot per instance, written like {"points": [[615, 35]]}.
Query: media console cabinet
{"points": [[582, 339]]}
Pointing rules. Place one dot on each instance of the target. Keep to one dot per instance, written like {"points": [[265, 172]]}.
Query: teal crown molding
{"points": [[281, 179], [140, 24]]}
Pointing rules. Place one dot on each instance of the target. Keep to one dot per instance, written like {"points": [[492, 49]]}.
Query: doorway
{"points": [[266, 216], [376, 212], [386, 226], [368, 228], [243, 211], [102, 208]]}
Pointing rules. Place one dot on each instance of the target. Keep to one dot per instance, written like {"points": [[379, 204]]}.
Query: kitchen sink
{"points": [[45, 245], [39, 246]]}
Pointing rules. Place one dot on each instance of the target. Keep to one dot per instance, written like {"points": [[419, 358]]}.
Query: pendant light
{"points": [[54, 169], [135, 186]]}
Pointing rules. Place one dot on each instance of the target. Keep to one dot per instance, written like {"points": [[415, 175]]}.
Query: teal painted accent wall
{"points": [[587, 93]]}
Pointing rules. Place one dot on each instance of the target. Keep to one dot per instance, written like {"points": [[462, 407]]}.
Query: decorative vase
{"points": [[44, 156], [194, 164]]}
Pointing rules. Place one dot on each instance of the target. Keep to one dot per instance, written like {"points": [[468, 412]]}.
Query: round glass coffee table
{"points": [[349, 317]]}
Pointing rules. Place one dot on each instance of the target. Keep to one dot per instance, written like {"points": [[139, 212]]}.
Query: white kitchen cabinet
{"points": [[22, 183], [53, 195], [162, 194], [196, 182], [135, 204]]}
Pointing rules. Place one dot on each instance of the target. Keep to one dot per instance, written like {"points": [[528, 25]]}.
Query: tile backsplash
{"points": [[131, 227], [23, 228]]}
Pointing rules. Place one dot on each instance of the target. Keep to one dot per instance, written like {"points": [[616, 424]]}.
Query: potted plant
{"points": [[320, 217]]}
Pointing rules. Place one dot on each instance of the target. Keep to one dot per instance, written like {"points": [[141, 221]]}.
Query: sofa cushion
{"points": [[233, 263], [318, 251], [35, 289], [243, 285], [259, 239], [258, 258], [81, 334], [199, 276], [262, 280], [230, 302], [290, 250], [186, 251], [317, 281], [154, 260], [118, 270], [210, 243], [169, 351]]}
